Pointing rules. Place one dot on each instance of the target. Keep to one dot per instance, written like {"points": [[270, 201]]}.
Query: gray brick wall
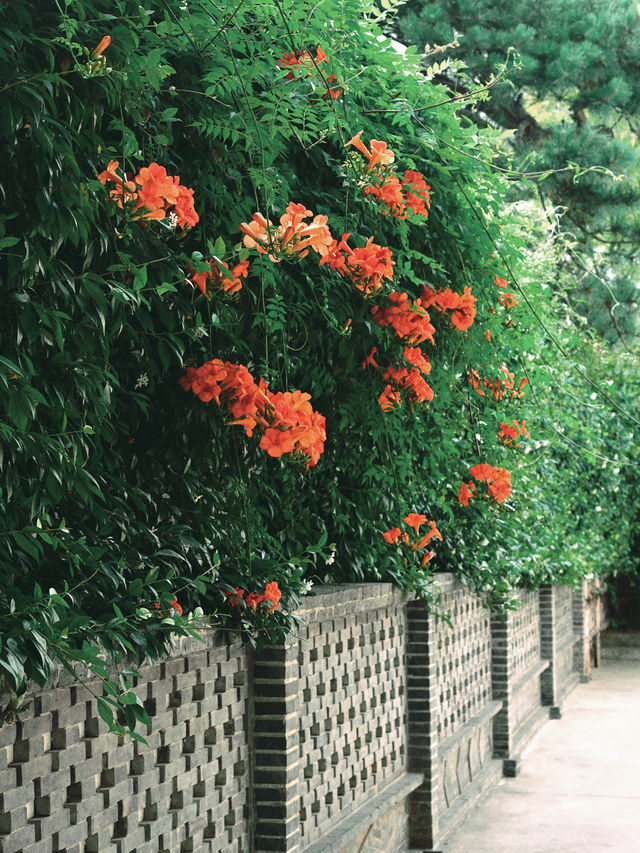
{"points": [[589, 620], [374, 728], [557, 644], [352, 729], [463, 660], [450, 712], [517, 667], [69, 785]]}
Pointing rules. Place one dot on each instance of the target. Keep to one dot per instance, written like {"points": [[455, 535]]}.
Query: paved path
{"points": [[579, 789]]}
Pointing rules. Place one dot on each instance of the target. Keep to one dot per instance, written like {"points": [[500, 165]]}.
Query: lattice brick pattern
{"points": [[352, 730], [463, 661], [525, 638], [77, 788]]}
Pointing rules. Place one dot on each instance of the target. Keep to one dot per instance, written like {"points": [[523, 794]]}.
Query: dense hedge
{"points": [[122, 492]]}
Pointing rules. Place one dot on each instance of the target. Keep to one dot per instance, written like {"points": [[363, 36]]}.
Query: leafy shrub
{"points": [[253, 203]]}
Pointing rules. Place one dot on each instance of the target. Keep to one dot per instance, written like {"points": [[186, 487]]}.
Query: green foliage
{"points": [[121, 491], [570, 102]]}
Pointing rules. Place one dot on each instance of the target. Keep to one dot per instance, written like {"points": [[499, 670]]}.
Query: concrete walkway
{"points": [[579, 789]]}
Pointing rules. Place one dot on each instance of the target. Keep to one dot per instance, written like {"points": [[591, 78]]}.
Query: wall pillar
{"points": [[276, 760], [581, 651], [424, 806]]}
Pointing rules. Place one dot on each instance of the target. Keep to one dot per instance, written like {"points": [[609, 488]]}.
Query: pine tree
{"points": [[573, 98]]}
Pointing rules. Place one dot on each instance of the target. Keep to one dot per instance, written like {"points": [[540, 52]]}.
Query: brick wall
{"points": [[451, 712], [69, 786], [557, 644], [517, 669], [375, 728], [330, 719], [589, 620]]}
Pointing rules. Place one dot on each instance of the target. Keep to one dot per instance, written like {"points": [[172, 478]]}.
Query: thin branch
{"points": [[541, 322]]}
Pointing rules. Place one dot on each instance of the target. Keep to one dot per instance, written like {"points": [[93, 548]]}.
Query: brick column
{"points": [[501, 684], [422, 699], [557, 644], [548, 647], [275, 751], [581, 651]]}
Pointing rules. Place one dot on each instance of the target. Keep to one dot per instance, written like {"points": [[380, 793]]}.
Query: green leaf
{"points": [[106, 712]]}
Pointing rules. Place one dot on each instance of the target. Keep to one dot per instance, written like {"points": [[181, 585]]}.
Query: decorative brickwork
{"points": [[450, 712], [557, 645], [517, 668], [374, 729], [69, 786], [352, 730], [525, 641], [463, 660]]}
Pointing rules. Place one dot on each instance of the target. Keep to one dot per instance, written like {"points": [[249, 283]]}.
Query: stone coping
{"points": [[537, 669], [493, 707]]}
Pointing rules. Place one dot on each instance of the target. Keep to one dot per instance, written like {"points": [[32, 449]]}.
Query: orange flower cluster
{"points": [[303, 62], [286, 420], [230, 386], [290, 240], [416, 191], [463, 306], [508, 300], [415, 521], [409, 381], [498, 386], [399, 196], [508, 434], [272, 595], [152, 194], [364, 268], [218, 280], [497, 481], [410, 322], [293, 426], [380, 154]]}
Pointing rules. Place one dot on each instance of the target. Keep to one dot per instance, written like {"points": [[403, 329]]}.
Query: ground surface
{"points": [[579, 788]]}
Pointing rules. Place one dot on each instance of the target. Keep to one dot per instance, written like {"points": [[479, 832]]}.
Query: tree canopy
{"points": [[571, 101]]}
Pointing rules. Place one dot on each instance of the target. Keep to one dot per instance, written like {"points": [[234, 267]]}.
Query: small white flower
{"points": [[142, 381], [172, 220], [306, 587]]}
